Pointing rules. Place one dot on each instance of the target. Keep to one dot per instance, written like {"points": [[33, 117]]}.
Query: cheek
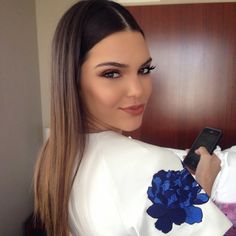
{"points": [[100, 97], [148, 88]]}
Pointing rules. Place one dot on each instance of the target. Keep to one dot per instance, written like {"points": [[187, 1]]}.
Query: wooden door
{"points": [[194, 49]]}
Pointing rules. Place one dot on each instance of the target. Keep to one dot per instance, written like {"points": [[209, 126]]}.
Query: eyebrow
{"points": [[121, 65]]}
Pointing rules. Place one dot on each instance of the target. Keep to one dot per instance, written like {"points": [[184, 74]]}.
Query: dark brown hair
{"points": [[84, 25]]}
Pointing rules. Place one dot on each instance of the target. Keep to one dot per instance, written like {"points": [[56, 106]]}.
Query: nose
{"points": [[135, 86]]}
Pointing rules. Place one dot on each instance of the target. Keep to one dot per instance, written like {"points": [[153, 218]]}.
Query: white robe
{"points": [[109, 195]]}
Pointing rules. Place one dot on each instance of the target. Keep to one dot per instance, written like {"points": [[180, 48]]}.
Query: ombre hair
{"points": [[84, 25]]}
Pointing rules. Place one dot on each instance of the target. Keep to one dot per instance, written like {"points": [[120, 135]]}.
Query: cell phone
{"points": [[208, 138]]}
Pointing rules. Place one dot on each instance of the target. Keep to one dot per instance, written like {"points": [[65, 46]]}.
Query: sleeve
{"points": [[178, 206], [156, 196]]}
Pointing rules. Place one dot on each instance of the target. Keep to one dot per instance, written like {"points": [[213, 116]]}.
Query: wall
{"points": [[48, 13], [20, 112]]}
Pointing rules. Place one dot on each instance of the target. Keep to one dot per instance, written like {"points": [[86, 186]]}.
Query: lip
{"points": [[134, 110]]}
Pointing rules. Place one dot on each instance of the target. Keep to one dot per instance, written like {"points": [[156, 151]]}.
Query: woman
{"points": [[90, 180]]}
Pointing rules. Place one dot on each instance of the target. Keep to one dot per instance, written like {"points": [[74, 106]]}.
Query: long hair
{"points": [[84, 25]]}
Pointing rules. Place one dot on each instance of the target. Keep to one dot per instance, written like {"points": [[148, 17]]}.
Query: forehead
{"points": [[124, 47]]}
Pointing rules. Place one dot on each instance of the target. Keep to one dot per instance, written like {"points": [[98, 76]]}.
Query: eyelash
{"points": [[110, 74], [148, 68]]}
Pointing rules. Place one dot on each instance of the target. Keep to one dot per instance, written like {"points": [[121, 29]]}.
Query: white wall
{"points": [[48, 13], [20, 112]]}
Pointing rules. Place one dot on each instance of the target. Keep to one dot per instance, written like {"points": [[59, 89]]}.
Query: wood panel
{"points": [[194, 49]]}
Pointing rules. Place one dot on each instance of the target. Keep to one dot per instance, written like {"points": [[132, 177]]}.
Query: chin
{"points": [[132, 126]]}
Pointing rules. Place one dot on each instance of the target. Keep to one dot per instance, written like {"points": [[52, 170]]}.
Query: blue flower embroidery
{"points": [[174, 195]]}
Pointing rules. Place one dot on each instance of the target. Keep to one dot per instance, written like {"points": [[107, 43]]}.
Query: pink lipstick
{"points": [[134, 110]]}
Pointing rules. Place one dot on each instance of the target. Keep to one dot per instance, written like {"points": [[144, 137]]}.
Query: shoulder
{"points": [[121, 151], [131, 165]]}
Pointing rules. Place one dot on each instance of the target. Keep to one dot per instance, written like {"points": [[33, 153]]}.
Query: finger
{"points": [[202, 151]]}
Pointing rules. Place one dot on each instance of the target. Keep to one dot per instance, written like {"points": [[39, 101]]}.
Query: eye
{"points": [[112, 74], [146, 70]]}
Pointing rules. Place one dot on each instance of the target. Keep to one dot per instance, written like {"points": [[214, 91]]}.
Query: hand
{"points": [[207, 169]]}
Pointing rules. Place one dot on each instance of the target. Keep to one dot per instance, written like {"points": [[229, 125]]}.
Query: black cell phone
{"points": [[208, 138]]}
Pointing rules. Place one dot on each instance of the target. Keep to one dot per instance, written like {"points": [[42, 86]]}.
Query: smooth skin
{"points": [[207, 170], [116, 76], [115, 89]]}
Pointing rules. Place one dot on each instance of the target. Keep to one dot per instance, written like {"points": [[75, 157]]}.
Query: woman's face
{"points": [[116, 82]]}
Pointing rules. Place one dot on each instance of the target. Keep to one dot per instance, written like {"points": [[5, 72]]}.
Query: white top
{"points": [[109, 196]]}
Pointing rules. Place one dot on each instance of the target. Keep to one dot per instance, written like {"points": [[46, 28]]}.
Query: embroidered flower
{"points": [[174, 195]]}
